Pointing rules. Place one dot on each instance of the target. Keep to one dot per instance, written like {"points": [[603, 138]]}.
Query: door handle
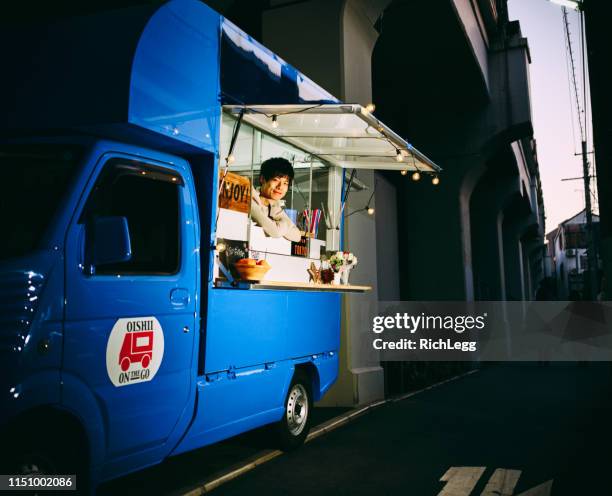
{"points": [[179, 297]]}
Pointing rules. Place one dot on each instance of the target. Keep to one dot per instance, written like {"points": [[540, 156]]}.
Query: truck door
{"points": [[129, 329]]}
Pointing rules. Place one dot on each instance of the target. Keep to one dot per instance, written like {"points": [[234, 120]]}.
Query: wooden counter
{"points": [[292, 286]]}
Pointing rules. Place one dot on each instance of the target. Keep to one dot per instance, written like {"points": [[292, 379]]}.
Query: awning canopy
{"points": [[345, 135]]}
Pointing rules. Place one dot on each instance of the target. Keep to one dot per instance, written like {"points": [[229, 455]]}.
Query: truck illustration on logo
{"points": [[137, 347]]}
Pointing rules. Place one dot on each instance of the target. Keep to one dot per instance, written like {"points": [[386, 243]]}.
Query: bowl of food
{"points": [[250, 269]]}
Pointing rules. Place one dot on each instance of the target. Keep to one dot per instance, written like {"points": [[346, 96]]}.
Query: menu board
{"points": [[234, 251]]}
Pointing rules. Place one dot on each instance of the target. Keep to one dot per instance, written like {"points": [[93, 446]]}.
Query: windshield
{"points": [[34, 179]]}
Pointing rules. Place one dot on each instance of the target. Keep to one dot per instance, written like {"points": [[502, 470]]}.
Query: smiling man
{"points": [[275, 177]]}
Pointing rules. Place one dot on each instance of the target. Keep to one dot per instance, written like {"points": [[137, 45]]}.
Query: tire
{"points": [[146, 360], [125, 364], [295, 424]]}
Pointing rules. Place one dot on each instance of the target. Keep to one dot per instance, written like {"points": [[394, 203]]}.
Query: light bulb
{"points": [[398, 156], [230, 159], [435, 181], [370, 211], [416, 176], [404, 172], [274, 122], [370, 107]]}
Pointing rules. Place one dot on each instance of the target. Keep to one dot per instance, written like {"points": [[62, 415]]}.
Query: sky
{"points": [[553, 111]]}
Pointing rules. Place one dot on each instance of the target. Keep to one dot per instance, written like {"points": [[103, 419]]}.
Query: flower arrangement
{"points": [[342, 261], [351, 260]]}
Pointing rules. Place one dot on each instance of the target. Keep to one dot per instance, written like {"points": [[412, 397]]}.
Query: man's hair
{"points": [[276, 167]]}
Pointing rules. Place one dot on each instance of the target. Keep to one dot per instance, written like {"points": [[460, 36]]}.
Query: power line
{"points": [[573, 70], [569, 92]]}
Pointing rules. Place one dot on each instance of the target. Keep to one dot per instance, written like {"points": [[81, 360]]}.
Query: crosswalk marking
{"points": [[502, 483], [461, 481]]}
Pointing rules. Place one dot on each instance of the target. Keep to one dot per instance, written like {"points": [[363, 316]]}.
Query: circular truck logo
{"points": [[134, 351]]}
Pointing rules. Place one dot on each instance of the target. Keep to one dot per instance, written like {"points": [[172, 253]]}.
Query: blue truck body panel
{"points": [[146, 86], [174, 84], [278, 325]]}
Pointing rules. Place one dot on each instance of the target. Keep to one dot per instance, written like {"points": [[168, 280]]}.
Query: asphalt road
{"points": [[550, 423]]}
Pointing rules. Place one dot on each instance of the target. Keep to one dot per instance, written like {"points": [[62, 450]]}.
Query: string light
{"points": [[365, 110], [370, 211], [368, 109], [230, 159]]}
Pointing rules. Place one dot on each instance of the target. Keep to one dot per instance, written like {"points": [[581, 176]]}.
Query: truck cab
{"points": [[125, 334]]}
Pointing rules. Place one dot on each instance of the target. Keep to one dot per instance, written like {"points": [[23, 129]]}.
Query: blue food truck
{"points": [[130, 141]]}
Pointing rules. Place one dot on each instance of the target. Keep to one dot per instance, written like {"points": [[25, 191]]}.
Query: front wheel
{"points": [[295, 424]]}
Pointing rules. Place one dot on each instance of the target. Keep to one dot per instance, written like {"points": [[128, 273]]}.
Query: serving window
{"points": [[312, 203], [320, 141]]}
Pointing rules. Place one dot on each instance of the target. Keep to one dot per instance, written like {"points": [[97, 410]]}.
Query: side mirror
{"points": [[107, 240]]}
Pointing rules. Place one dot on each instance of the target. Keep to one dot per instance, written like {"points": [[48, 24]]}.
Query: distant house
{"points": [[567, 249]]}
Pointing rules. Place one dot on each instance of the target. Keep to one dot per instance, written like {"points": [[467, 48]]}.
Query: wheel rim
{"points": [[297, 409]]}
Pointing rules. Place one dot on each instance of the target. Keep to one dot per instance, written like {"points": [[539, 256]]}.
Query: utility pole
{"points": [[591, 254], [586, 176]]}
